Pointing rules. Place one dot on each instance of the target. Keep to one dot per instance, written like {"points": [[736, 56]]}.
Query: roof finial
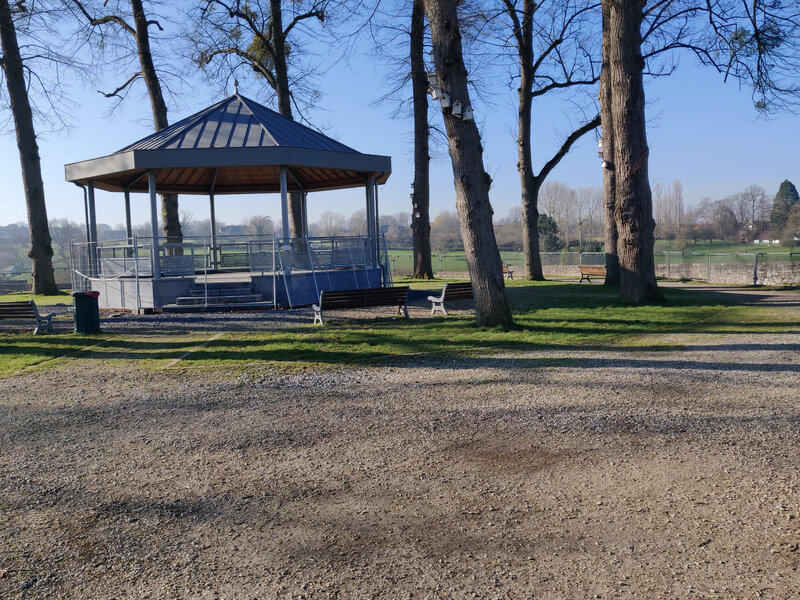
{"points": [[235, 86]]}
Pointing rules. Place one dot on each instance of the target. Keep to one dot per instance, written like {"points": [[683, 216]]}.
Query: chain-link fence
{"points": [[760, 268]]}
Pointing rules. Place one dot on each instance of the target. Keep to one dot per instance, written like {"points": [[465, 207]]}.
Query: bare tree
{"points": [[420, 198], [264, 38], [633, 209], [64, 232], [330, 223], [556, 200], [446, 232], [755, 41], [399, 39], [758, 209], [13, 68], [553, 44], [260, 225], [668, 209], [471, 180], [607, 151], [119, 24], [587, 201], [357, 222]]}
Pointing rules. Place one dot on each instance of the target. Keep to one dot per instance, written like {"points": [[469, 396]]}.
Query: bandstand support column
{"points": [[284, 206], [305, 214], [94, 268], [213, 212], [371, 233], [128, 226], [151, 184], [377, 225]]}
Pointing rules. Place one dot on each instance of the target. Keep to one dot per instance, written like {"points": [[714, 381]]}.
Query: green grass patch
{"points": [[548, 315], [63, 297], [22, 351]]}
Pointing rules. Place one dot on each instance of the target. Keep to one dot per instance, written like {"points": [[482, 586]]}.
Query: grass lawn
{"points": [[63, 297], [547, 315]]}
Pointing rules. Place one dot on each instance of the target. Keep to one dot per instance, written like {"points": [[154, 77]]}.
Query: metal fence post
{"points": [[755, 269], [668, 269], [708, 267]]}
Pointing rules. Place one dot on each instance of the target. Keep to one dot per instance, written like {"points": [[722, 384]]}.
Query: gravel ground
{"points": [[579, 473]]}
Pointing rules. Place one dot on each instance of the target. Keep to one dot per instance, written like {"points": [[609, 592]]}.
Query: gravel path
{"points": [[598, 473]]}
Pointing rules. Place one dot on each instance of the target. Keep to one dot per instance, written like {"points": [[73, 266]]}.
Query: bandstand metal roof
{"points": [[234, 146]]}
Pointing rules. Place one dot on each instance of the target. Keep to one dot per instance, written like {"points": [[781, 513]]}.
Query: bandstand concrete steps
{"points": [[220, 294]]}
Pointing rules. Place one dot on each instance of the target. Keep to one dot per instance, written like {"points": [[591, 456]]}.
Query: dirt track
{"points": [[560, 474]]}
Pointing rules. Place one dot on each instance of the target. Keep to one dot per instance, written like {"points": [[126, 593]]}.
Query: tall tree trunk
{"points": [[41, 252], [609, 188], [634, 203], [529, 185], [296, 221], [169, 202], [420, 209], [471, 180]]}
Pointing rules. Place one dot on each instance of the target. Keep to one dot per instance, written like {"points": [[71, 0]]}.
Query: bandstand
{"points": [[235, 146]]}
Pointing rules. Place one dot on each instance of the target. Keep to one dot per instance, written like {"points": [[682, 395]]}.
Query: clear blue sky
{"points": [[701, 131]]}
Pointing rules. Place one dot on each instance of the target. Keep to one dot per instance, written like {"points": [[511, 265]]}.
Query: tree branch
{"points": [[319, 14], [562, 152], [116, 92], [103, 20]]}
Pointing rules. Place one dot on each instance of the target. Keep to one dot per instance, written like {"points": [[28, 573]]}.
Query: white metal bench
{"points": [[26, 309], [450, 292]]}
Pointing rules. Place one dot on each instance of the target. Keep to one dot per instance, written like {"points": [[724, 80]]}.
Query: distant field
{"points": [[449, 262], [455, 262], [720, 246]]}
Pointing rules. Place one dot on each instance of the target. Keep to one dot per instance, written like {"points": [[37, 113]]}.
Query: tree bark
{"points": [[634, 205], [471, 180], [530, 182], [41, 252], [296, 221], [529, 185], [169, 202], [607, 137], [420, 209]]}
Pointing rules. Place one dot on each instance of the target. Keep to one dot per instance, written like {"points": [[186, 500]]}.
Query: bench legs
{"points": [[438, 305], [43, 322]]}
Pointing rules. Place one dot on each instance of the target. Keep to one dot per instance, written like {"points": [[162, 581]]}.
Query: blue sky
{"points": [[700, 130]]}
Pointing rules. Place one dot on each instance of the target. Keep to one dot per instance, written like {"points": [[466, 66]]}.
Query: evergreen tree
{"points": [[792, 229], [785, 199], [548, 234]]}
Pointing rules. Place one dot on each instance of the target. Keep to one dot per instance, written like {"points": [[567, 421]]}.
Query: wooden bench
{"points": [[508, 271], [24, 310], [450, 292], [386, 296], [589, 271]]}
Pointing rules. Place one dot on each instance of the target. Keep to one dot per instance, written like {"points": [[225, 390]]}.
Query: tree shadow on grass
{"points": [[563, 316]]}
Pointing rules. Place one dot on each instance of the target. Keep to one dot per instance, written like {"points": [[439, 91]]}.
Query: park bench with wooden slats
{"points": [[24, 310], [589, 271], [363, 298], [508, 271], [450, 292]]}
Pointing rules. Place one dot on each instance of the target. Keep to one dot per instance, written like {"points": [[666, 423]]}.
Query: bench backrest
{"points": [[24, 309], [593, 269], [388, 296], [457, 291]]}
